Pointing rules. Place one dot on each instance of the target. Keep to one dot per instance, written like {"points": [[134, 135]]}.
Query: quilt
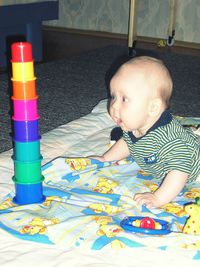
{"points": [[86, 201]]}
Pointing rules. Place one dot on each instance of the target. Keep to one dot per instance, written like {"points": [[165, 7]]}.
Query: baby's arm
{"points": [[169, 189], [117, 152]]}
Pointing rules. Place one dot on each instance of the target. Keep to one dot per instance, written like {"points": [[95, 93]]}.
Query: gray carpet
{"points": [[71, 87]]}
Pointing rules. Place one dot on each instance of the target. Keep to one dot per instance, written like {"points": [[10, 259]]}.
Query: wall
{"points": [[112, 16]]}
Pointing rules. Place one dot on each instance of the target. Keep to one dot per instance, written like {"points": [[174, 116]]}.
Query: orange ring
{"points": [[24, 90]]}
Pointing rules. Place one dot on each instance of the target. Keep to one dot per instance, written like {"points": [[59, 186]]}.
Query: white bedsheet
{"points": [[88, 135]]}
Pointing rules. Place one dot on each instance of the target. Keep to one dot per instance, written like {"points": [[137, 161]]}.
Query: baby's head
{"points": [[143, 87], [151, 74]]}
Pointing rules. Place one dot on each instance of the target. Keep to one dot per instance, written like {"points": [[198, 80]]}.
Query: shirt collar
{"points": [[164, 119]]}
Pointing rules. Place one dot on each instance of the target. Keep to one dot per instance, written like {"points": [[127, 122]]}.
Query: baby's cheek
{"points": [[110, 110]]}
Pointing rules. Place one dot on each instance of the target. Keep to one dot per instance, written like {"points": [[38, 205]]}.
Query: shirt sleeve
{"points": [[176, 155]]}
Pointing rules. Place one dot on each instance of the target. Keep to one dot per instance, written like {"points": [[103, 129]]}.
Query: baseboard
{"points": [[85, 32], [143, 39]]}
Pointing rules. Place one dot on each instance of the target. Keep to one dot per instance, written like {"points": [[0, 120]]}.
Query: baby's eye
{"points": [[124, 99], [112, 97]]}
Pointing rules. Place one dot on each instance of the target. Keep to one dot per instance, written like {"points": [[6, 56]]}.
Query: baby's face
{"points": [[130, 98]]}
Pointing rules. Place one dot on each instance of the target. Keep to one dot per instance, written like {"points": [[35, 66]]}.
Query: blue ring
{"points": [[127, 225]]}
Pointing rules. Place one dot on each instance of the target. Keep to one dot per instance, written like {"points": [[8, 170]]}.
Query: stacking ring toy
{"points": [[146, 225]]}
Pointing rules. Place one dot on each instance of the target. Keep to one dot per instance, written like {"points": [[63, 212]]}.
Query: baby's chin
{"points": [[120, 124], [125, 129]]}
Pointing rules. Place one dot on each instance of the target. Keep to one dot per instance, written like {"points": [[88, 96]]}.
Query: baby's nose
{"points": [[114, 111]]}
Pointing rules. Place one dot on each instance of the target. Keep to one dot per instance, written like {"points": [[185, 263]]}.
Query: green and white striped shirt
{"points": [[166, 146]]}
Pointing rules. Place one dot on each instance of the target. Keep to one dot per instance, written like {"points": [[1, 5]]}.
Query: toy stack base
{"points": [[27, 158], [28, 194]]}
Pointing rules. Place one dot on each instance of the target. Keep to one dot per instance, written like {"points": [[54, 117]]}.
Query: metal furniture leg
{"points": [[132, 28]]}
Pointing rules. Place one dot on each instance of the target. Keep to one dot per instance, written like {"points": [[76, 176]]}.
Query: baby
{"points": [[140, 94]]}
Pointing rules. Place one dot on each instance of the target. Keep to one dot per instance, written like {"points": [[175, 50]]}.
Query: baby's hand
{"points": [[150, 200]]}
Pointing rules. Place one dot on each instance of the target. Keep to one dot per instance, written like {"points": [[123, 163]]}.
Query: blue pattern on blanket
{"points": [[85, 202]]}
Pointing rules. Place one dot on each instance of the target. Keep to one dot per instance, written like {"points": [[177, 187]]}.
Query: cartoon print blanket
{"points": [[85, 202]]}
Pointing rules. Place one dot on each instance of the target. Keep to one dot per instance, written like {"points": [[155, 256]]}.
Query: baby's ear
{"points": [[155, 106]]}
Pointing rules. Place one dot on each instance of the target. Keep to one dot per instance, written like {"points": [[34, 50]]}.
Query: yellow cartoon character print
{"points": [[192, 225], [38, 226], [152, 186], [195, 245], [99, 207], [193, 193], [102, 220], [111, 230], [78, 164], [49, 200], [105, 186], [174, 209], [7, 204]]}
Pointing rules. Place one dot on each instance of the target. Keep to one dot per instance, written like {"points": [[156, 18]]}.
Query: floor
{"points": [[60, 44], [57, 45]]}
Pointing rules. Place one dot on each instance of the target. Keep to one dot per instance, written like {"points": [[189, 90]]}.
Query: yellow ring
{"points": [[23, 71]]}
